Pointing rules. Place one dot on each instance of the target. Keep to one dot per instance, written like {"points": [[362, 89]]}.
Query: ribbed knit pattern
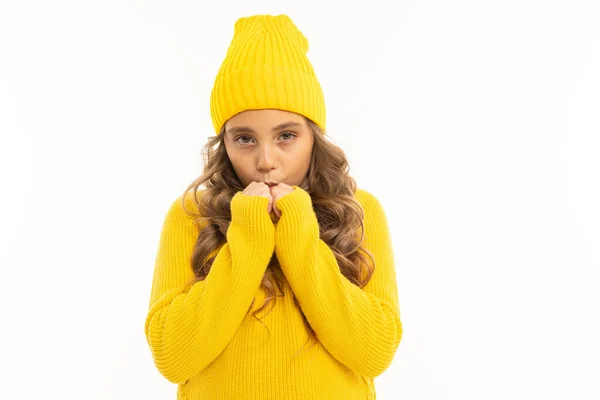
{"points": [[266, 66], [205, 339]]}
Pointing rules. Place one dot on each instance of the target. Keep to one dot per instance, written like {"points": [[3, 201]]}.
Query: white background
{"points": [[475, 123]]}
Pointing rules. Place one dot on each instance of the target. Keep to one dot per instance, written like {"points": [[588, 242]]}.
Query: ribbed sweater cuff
{"points": [[250, 213], [297, 214]]}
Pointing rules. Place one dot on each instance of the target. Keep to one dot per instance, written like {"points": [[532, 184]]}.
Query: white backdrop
{"points": [[476, 124]]}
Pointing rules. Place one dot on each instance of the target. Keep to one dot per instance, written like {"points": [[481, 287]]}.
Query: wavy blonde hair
{"points": [[331, 189]]}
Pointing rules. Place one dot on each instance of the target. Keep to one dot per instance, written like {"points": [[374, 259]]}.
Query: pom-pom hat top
{"points": [[266, 67]]}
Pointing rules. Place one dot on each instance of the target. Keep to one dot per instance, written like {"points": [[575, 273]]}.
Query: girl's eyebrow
{"points": [[240, 129]]}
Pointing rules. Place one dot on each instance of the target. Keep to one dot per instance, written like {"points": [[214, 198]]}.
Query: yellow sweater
{"points": [[205, 339]]}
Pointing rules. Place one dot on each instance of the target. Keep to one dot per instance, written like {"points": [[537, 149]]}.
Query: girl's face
{"points": [[269, 145]]}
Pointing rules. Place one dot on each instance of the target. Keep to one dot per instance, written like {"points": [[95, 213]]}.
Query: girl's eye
{"points": [[290, 137], [237, 140]]}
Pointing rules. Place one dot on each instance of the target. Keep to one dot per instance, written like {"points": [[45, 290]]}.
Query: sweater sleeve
{"points": [[361, 328], [187, 329]]}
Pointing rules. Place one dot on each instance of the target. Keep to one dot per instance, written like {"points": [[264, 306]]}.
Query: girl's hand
{"points": [[277, 192], [260, 189]]}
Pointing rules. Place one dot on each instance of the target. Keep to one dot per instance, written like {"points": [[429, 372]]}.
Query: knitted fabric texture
{"points": [[266, 66], [204, 338]]}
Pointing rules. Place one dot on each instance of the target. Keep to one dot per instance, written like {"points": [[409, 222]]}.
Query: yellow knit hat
{"points": [[266, 67]]}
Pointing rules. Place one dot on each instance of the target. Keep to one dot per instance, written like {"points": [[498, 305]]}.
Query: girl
{"points": [[280, 249]]}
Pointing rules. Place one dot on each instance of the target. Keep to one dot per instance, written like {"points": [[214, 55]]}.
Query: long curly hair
{"points": [[331, 189]]}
